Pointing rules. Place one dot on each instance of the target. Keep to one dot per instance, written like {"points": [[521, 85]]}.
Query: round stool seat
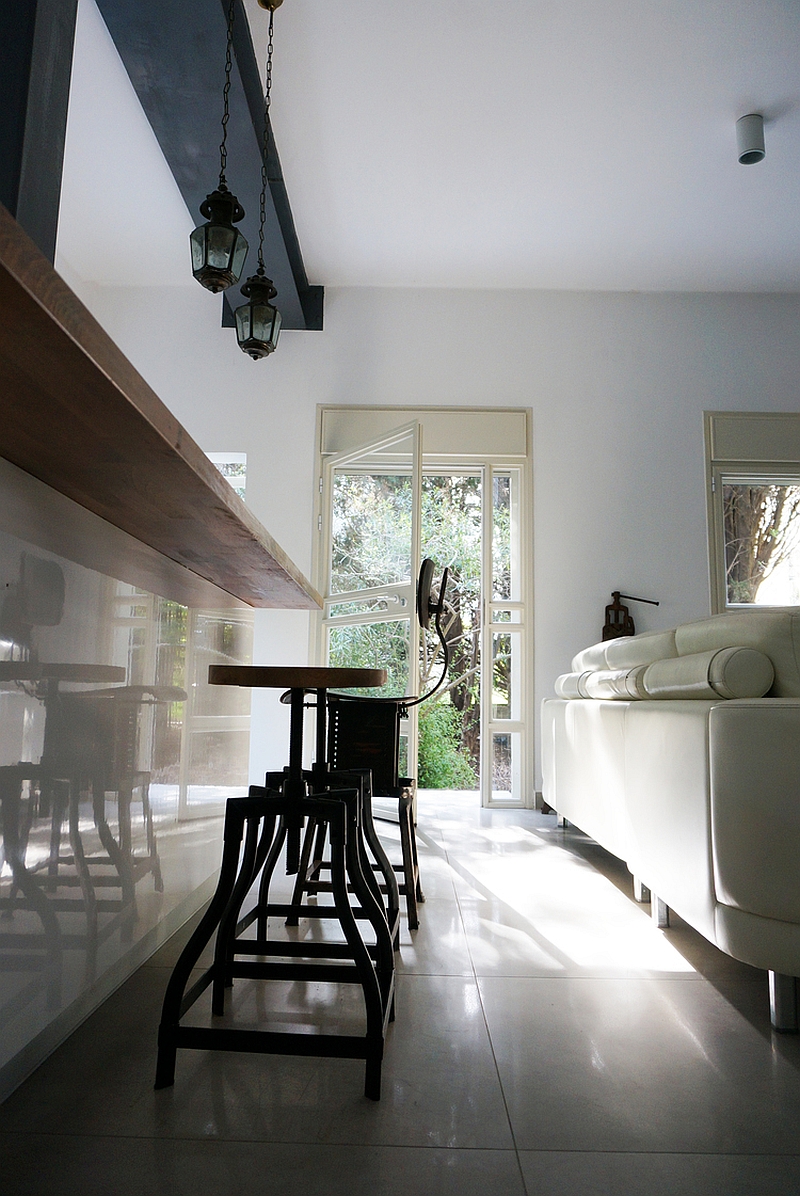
{"points": [[293, 677], [29, 670]]}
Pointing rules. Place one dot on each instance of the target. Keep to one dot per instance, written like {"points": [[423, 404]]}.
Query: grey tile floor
{"points": [[549, 1040]]}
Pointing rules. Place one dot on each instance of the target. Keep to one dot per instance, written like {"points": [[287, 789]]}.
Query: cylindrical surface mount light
{"points": [[750, 138]]}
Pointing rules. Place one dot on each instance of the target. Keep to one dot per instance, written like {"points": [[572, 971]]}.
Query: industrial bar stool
{"points": [[365, 735], [265, 820]]}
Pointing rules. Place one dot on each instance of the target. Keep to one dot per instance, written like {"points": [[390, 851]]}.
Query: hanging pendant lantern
{"points": [[258, 322], [219, 249]]}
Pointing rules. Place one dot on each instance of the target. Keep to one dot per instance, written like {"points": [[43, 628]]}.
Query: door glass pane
{"points": [[500, 615], [762, 543], [506, 780], [505, 675], [373, 646], [371, 534], [505, 534], [450, 724]]}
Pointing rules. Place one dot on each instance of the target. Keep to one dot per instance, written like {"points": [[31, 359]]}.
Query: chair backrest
{"points": [[366, 734]]}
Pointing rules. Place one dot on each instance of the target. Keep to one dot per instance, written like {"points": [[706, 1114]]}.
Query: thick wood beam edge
{"points": [[77, 415]]}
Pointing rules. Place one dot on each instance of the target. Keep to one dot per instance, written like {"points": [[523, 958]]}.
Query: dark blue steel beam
{"points": [[36, 40], [174, 52]]}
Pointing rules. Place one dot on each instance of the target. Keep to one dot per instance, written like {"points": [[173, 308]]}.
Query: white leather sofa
{"points": [[663, 749]]}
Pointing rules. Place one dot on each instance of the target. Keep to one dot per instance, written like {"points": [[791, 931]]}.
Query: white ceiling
{"points": [[122, 220], [575, 144], [566, 144]]}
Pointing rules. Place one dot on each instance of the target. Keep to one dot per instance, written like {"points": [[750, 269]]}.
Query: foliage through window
{"points": [[762, 543], [233, 467]]}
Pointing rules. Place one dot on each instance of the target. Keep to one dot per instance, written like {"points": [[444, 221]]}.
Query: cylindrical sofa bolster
{"points": [[722, 673]]}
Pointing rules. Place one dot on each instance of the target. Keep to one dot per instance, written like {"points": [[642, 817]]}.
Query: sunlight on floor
{"points": [[526, 886]]}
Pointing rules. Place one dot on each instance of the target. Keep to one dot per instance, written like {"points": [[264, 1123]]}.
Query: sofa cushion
{"points": [[774, 631], [728, 673], [626, 652]]}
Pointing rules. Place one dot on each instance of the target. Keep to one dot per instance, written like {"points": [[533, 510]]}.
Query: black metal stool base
{"points": [[263, 820], [377, 870]]}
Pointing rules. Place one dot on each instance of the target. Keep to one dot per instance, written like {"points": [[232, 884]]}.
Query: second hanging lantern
{"points": [[258, 322]]}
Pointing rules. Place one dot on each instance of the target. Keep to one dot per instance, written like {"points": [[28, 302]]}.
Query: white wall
{"points": [[617, 384]]}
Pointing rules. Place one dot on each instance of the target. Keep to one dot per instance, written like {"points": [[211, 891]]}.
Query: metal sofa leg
{"points": [[783, 1002], [659, 911], [641, 893]]}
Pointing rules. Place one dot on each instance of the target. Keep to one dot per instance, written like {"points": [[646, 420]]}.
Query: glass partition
{"points": [[110, 737]]}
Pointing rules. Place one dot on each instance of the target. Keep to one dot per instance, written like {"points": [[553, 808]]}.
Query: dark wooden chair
{"points": [[364, 735]]}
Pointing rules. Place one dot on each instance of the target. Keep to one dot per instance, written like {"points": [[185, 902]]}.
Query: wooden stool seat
{"points": [[293, 677]]}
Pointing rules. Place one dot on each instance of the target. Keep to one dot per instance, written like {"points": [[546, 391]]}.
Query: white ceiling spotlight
{"points": [[750, 138]]}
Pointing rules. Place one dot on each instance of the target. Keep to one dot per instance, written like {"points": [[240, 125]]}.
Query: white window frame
{"points": [[751, 448]]}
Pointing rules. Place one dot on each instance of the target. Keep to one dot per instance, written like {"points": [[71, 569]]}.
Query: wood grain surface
{"points": [[293, 677]]}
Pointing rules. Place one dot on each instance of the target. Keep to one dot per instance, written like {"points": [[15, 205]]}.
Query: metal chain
{"points": [[265, 147], [226, 91]]}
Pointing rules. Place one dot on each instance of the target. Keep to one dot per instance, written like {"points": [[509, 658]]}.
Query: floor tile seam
{"points": [[438, 975], [596, 978], [667, 1154], [499, 1080], [194, 1139], [532, 975], [443, 852]]}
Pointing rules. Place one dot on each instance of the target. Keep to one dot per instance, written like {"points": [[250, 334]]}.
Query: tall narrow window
{"points": [[753, 469]]}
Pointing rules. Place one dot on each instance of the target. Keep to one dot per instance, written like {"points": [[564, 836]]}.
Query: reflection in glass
{"points": [[105, 716]]}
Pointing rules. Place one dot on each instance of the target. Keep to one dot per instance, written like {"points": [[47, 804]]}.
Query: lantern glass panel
{"points": [[243, 323], [262, 321], [239, 254], [197, 241], [219, 245]]}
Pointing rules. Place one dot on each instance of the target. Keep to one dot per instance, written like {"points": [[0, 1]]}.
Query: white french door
{"points": [[383, 507], [370, 529]]}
